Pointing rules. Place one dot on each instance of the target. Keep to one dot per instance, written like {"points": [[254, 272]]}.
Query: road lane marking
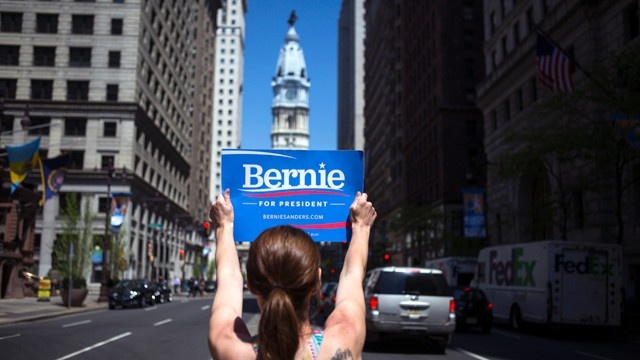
{"points": [[76, 323], [94, 346], [162, 322], [205, 307], [9, 337], [469, 353], [591, 355], [151, 308]]}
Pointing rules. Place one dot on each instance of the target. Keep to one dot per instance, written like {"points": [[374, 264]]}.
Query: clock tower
{"points": [[290, 105]]}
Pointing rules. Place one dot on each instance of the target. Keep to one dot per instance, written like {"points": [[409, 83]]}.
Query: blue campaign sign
{"points": [[309, 189]]}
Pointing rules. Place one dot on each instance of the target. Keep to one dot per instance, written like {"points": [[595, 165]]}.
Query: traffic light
{"points": [[386, 258], [206, 226]]}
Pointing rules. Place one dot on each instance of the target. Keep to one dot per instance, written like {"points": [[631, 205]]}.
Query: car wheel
{"points": [[142, 302], [515, 317], [440, 345], [112, 306]]}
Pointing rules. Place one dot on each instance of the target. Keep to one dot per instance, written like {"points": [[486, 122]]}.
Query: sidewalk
{"points": [[29, 308]]}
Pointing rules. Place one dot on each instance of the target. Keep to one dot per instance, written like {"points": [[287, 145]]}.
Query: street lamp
{"points": [[104, 283]]}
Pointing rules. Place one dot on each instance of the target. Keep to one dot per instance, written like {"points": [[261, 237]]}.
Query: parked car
{"points": [[409, 301], [209, 286], [325, 289], [128, 293], [162, 292], [473, 308], [329, 302]]}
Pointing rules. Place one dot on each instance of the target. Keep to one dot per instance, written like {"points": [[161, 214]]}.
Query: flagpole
{"points": [[572, 58]]}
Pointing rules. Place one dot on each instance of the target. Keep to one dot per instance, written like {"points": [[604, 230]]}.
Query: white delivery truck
{"points": [[458, 270], [553, 282]]}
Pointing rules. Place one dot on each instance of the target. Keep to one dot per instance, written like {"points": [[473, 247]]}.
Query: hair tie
{"points": [[277, 286]]}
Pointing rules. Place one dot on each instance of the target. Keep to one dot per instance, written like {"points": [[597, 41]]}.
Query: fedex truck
{"points": [[553, 282], [458, 270]]}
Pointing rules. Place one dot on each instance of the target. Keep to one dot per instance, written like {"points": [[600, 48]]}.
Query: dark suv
{"points": [[473, 309], [409, 301], [129, 293]]}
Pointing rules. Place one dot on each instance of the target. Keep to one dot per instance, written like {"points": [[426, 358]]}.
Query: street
{"points": [[178, 330]]}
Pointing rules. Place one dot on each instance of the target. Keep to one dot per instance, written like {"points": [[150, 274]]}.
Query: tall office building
{"points": [[290, 105], [125, 88], [561, 194], [228, 84], [351, 32], [422, 128]]}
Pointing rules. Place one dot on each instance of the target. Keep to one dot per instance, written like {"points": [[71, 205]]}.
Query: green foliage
{"points": [[77, 232], [211, 269], [574, 140]]}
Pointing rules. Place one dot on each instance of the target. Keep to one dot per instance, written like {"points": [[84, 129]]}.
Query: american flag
{"points": [[554, 67]]}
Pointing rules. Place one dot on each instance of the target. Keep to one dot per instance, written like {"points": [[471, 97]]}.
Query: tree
{"points": [[581, 146], [77, 233]]}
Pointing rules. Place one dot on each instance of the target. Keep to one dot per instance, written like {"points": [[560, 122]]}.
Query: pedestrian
{"points": [[176, 285], [283, 272]]}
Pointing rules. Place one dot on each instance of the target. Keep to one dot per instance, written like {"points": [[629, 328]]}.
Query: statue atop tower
{"points": [[290, 104]]}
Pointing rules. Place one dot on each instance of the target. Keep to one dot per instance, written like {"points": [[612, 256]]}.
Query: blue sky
{"points": [[266, 26]]}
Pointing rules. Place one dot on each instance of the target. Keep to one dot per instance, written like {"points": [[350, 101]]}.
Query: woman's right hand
{"points": [[221, 212], [361, 211]]}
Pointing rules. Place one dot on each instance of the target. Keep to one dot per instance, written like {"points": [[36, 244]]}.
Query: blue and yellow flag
{"points": [[53, 171], [22, 158]]}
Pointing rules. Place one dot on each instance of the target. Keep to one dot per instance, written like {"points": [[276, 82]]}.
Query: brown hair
{"points": [[282, 269]]}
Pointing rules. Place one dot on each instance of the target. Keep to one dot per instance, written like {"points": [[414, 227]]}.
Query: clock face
{"points": [[291, 94]]}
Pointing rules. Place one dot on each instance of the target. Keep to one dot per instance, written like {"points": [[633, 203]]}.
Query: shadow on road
{"points": [[400, 345]]}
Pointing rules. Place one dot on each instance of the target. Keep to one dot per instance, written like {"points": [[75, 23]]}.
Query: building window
{"points": [[112, 92], [78, 90], [80, 57], [107, 161], [494, 120], [114, 59], [11, 22], [102, 205], [516, 33], [631, 19], [6, 123], [44, 56], [507, 109], [529, 18], [39, 125], [110, 128], [8, 88], [47, 23], [116, 26], [533, 86], [519, 100], [76, 159], [75, 126], [41, 89], [9, 55], [82, 24]]}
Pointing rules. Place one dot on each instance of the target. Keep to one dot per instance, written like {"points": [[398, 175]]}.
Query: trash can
{"points": [[44, 290]]}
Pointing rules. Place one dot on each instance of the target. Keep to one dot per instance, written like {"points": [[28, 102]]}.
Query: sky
{"points": [[266, 27]]}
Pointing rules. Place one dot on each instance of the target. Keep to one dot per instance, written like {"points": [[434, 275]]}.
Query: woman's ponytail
{"points": [[278, 328]]}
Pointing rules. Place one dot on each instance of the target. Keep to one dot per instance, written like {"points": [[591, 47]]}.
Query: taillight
{"points": [[452, 306], [489, 306], [334, 299], [373, 303]]}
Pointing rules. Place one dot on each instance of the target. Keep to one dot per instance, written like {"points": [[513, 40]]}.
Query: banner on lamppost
{"points": [[474, 213], [119, 204], [308, 189]]}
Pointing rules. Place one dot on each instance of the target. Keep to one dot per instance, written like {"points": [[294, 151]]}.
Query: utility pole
{"points": [[104, 286]]}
